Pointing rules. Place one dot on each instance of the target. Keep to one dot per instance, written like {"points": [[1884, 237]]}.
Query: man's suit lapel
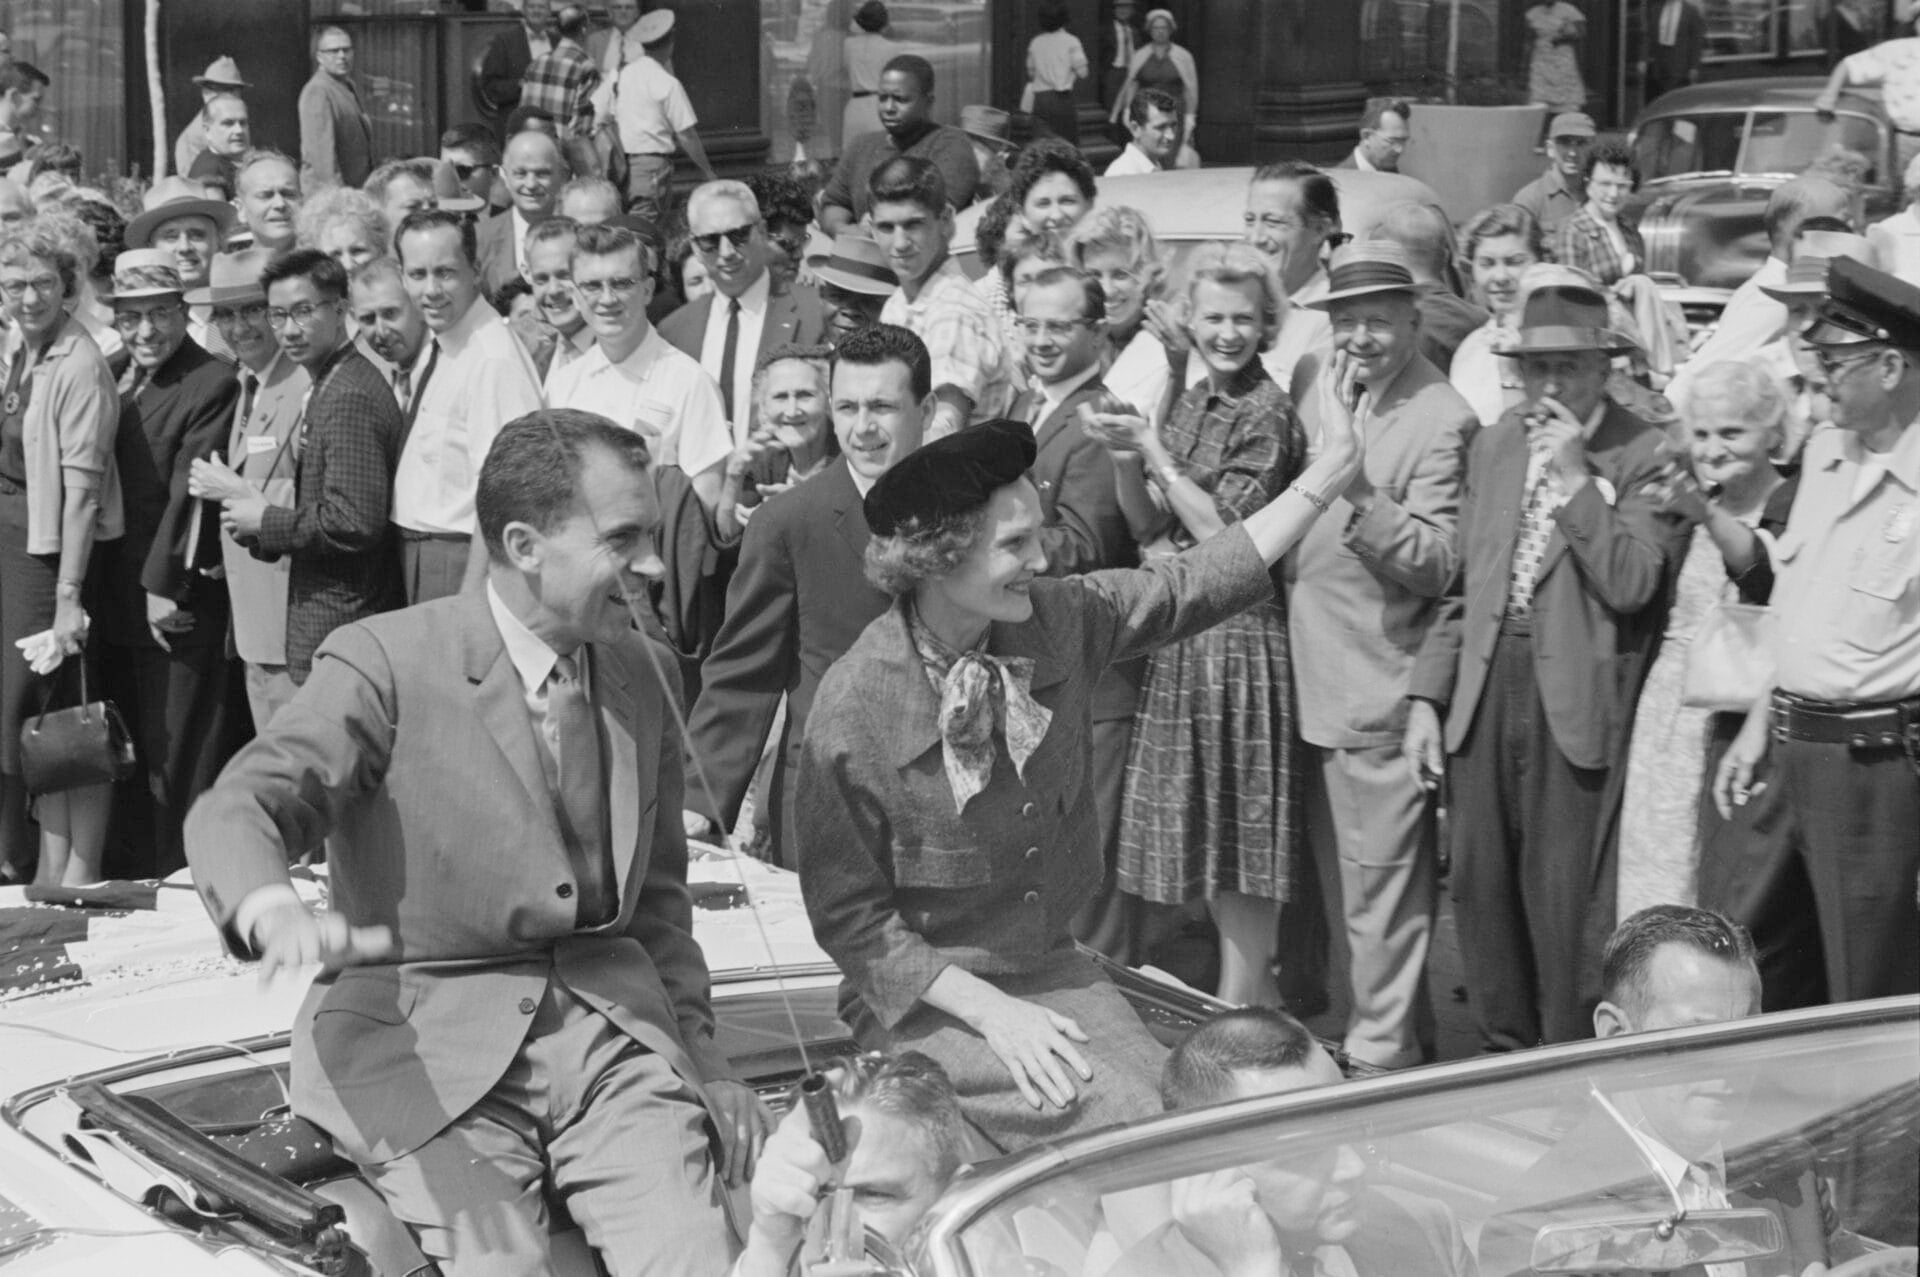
{"points": [[501, 702], [849, 520], [783, 321], [1506, 494], [1600, 448]]}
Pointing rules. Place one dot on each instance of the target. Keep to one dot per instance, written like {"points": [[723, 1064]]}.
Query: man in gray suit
{"points": [[1363, 587], [748, 313], [336, 138], [511, 1001]]}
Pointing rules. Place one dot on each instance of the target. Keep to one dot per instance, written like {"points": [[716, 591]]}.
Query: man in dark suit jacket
{"points": [[1567, 542], [1301, 1208], [511, 1001], [496, 85], [345, 559], [1668, 966], [800, 596], [1676, 37], [1064, 332], [730, 238], [163, 614], [534, 170]]}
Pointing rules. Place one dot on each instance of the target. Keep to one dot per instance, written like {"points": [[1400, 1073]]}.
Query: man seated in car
{"points": [[1309, 1214], [905, 1139], [1631, 1153]]}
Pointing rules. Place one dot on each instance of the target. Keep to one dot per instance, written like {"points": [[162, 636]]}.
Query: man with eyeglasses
{"points": [[336, 532], [163, 611], [745, 316], [474, 153], [184, 219], [469, 380], [633, 375], [336, 137], [1561, 191], [1832, 753], [534, 170], [261, 456], [1383, 137]]}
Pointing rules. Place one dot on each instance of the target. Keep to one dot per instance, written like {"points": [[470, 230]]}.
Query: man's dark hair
{"points": [[1244, 1040], [381, 178], [570, 22], [550, 229], [477, 138], [1094, 307], [888, 344], [872, 17], [329, 276], [908, 179], [606, 240], [914, 1089], [1378, 107], [1145, 100], [1317, 191], [1053, 15], [1821, 222], [1045, 157], [532, 472], [1613, 155], [784, 199], [20, 77], [428, 219], [914, 65], [510, 292], [54, 157], [1628, 957], [109, 229]]}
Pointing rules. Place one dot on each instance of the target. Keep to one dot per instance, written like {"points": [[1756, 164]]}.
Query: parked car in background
{"points": [[1711, 154]]}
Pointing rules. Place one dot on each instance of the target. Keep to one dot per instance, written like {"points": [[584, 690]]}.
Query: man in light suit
{"points": [[1568, 539], [1667, 967], [800, 596], [1063, 326], [511, 997], [1304, 1214], [747, 314], [1362, 589]]}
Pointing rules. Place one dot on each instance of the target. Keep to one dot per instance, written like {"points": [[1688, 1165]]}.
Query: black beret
{"points": [[952, 476], [1866, 305]]}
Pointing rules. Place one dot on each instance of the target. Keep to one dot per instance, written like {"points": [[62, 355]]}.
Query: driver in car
{"points": [[1631, 1153], [1302, 1215]]}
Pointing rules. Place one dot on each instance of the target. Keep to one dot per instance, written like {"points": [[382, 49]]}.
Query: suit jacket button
{"points": [[564, 891], [1029, 810], [528, 1006], [1033, 897], [1032, 852]]}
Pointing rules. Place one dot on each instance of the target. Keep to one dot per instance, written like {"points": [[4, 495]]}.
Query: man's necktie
{"points": [[249, 386], [729, 353], [419, 392], [574, 739], [1536, 529], [403, 388]]}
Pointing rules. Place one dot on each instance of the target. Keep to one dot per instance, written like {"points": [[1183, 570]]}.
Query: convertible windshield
{"points": [[1756, 143], [1805, 1144]]}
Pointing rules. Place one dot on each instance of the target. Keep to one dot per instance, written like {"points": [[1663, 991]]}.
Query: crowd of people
{"points": [[1096, 595]]}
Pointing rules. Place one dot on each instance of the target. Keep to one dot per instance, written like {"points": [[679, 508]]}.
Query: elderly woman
{"points": [[1116, 246], [346, 225], [1732, 424], [792, 442], [947, 827], [1165, 66], [1498, 245], [1212, 802], [59, 495]]}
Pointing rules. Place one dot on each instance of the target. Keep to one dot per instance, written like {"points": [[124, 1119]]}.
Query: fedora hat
{"points": [[233, 277], [988, 124], [856, 264], [221, 73], [448, 194], [1363, 269], [1813, 252], [144, 272], [172, 197], [1567, 316]]}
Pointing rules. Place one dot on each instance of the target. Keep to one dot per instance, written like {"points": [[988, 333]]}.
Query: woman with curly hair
{"points": [[346, 225], [947, 829], [1212, 806]]}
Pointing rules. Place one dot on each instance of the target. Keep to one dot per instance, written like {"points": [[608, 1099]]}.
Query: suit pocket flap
{"points": [[944, 867], [378, 995]]}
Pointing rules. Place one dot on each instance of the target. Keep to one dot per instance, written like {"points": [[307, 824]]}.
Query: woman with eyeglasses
{"points": [[1116, 246], [59, 497], [1212, 805]]}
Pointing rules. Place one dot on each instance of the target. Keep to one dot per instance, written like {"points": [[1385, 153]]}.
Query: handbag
{"points": [[85, 744], [1730, 661]]}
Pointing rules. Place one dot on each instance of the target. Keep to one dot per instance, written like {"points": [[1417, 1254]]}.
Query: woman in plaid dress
{"points": [[1212, 800]]}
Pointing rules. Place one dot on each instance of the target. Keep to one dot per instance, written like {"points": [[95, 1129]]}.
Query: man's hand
{"points": [[1826, 103], [743, 1123], [165, 617], [1037, 1047], [1733, 782], [210, 479], [291, 936], [694, 824], [1425, 746], [792, 1174], [241, 518], [1221, 1215], [1564, 436]]}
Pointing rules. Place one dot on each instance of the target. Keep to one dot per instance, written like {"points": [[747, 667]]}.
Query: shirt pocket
{"points": [[1883, 597], [654, 423], [941, 868]]}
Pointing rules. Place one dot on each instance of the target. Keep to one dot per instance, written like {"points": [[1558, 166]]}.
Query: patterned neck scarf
{"points": [[979, 693]]}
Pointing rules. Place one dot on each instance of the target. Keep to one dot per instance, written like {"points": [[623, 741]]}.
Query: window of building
{"points": [[81, 47], [1751, 30]]}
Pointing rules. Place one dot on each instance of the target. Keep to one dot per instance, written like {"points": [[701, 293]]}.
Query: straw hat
{"points": [[856, 264], [144, 272], [1364, 269]]}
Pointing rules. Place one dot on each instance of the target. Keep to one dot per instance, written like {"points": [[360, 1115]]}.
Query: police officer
{"points": [[1843, 721]]}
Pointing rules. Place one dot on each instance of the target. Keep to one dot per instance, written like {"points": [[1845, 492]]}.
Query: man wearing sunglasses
{"points": [[336, 138], [745, 316]]}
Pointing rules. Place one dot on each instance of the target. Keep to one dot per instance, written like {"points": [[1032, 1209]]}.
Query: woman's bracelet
{"points": [[1313, 498], [1170, 474]]}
